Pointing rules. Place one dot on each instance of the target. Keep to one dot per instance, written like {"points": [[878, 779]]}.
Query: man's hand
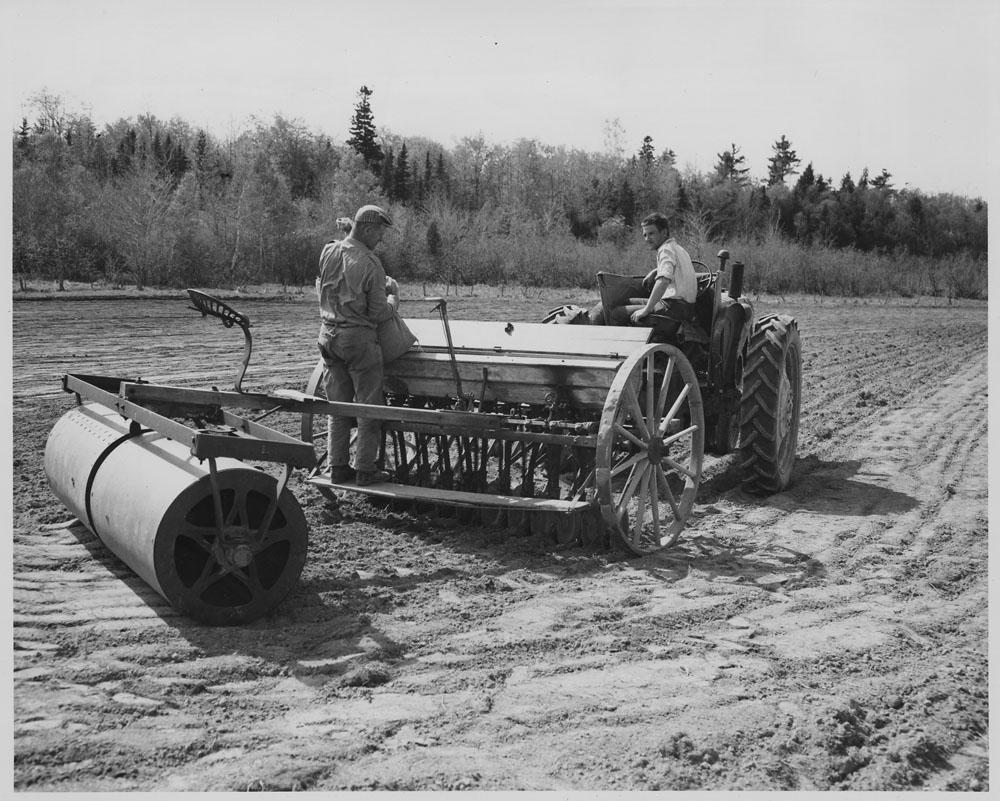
{"points": [[650, 279], [638, 315], [391, 287]]}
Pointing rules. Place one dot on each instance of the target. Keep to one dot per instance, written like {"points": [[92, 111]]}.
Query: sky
{"points": [[909, 87]]}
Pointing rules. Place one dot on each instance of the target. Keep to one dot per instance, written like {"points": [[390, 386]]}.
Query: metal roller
{"points": [[222, 558]]}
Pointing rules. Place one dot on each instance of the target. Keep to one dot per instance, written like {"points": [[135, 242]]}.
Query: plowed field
{"points": [[831, 637]]}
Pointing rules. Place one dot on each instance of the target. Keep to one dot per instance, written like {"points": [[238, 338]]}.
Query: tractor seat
{"points": [[618, 290]]}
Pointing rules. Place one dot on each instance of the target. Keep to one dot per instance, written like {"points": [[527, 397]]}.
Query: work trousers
{"points": [[353, 361]]}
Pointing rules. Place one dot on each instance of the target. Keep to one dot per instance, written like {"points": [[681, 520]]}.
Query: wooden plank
{"points": [[538, 379], [454, 497], [157, 394], [515, 337]]}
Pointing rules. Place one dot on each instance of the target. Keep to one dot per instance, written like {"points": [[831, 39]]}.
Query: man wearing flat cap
{"points": [[354, 297]]}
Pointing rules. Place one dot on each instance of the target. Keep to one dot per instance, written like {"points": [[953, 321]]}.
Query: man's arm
{"points": [[379, 308], [659, 288]]}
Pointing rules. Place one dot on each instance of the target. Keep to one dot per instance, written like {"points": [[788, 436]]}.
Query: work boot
{"points": [[341, 473], [366, 478]]}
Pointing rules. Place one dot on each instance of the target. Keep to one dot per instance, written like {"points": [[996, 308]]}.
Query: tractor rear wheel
{"points": [[769, 413]]}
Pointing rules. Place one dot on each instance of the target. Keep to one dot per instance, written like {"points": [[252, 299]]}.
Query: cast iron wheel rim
{"points": [[242, 574], [650, 449]]}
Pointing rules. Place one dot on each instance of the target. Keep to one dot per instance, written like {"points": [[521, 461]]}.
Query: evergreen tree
{"points": [[683, 202], [646, 151], [177, 160], [730, 166], [401, 176], [441, 174], [23, 142], [847, 183], [389, 174], [626, 203], [363, 132], [806, 180], [782, 163], [882, 181], [433, 239], [159, 152], [668, 157]]}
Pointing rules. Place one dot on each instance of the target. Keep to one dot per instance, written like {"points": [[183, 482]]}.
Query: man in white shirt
{"points": [[673, 284]]}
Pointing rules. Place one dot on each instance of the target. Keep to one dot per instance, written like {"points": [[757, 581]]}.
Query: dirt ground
{"points": [[831, 637]]}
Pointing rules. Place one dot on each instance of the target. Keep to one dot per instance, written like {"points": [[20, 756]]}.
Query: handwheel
{"points": [[650, 447]]}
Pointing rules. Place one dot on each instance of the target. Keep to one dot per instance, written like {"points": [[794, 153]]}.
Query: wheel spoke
{"points": [[661, 401], [665, 485], [681, 397], [651, 411], [238, 509], [674, 465], [679, 435], [635, 478], [633, 407], [627, 464], [640, 510], [210, 572], [197, 534], [619, 428], [654, 503]]}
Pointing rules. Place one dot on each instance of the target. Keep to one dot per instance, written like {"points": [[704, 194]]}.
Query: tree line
{"points": [[147, 202]]}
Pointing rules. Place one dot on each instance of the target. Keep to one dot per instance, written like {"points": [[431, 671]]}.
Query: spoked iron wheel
{"points": [[650, 448]]}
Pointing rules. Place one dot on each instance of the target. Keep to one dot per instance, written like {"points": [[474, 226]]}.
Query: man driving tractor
{"points": [[672, 283]]}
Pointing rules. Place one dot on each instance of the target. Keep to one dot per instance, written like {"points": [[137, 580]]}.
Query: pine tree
{"points": [[882, 181], [363, 132], [730, 166], [388, 174], [401, 176], [806, 180], [158, 151], [782, 163], [23, 142], [646, 151], [441, 174], [433, 239], [177, 160], [626, 203]]}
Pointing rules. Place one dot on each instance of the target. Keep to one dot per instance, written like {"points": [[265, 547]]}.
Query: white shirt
{"points": [[674, 264]]}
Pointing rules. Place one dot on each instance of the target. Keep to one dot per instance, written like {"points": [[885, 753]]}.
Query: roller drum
{"points": [[151, 503]]}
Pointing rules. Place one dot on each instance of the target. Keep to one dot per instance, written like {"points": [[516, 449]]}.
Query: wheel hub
{"points": [[234, 549], [656, 450]]}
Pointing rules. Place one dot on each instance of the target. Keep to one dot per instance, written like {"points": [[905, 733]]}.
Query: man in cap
{"points": [[354, 297]]}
